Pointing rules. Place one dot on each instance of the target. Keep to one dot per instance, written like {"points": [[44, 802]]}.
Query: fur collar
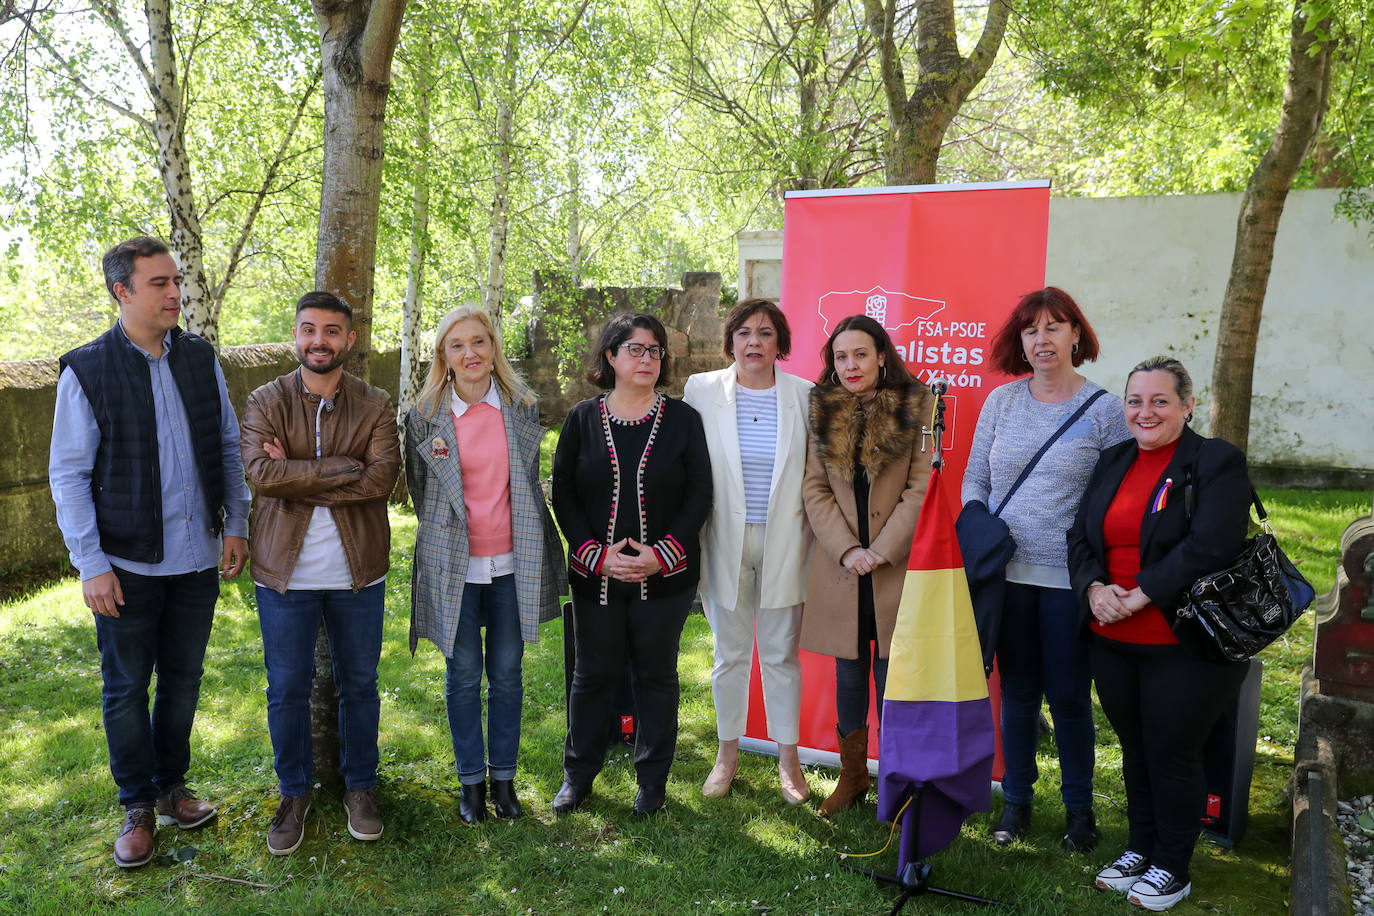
{"points": [[891, 421]]}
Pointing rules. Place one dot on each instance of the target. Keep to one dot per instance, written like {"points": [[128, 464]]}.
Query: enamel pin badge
{"points": [[440, 448]]}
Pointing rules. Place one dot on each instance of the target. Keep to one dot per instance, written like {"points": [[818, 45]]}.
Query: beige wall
{"points": [[1150, 273]]}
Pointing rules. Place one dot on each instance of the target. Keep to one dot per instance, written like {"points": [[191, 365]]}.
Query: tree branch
{"points": [[882, 22], [235, 253], [72, 74], [985, 52], [380, 35], [110, 14]]}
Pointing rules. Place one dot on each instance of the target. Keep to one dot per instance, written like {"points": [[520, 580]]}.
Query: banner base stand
{"points": [[914, 881], [809, 756]]}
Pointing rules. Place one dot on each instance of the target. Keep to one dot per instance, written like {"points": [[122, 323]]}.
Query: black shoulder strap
{"points": [[1030, 466]]}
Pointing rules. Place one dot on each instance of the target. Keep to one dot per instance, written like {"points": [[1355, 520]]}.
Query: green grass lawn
{"points": [[749, 853]]}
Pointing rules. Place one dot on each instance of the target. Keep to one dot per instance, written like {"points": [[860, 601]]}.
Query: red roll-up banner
{"points": [[940, 267]]}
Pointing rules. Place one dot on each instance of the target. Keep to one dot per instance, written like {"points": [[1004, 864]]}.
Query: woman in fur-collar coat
{"points": [[864, 484]]}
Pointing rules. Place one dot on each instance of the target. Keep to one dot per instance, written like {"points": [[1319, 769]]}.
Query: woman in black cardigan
{"points": [[631, 490], [1159, 512]]}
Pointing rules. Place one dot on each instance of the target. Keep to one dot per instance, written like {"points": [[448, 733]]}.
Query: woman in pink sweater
{"points": [[487, 555]]}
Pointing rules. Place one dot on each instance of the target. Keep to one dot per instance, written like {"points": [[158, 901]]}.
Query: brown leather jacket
{"points": [[360, 458]]}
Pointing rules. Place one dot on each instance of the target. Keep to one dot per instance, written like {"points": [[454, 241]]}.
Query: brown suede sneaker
{"points": [[134, 846], [181, 807], [288, 825], [364, 820]]}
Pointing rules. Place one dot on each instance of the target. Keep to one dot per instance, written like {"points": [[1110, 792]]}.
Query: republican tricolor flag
{"points": [[937, 737]]}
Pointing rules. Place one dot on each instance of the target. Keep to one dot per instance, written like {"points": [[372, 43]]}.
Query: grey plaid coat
{"points": [[435, 479]]}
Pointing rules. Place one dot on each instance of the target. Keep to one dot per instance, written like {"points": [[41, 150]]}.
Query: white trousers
{"points": [[778, 631]]}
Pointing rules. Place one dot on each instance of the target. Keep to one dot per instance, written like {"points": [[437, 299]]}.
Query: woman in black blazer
{"points": [[631, 490], [1159, 512]]}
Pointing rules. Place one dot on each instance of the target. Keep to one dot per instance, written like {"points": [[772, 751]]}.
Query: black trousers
{"points": [[1163, 703], [648, 632]]}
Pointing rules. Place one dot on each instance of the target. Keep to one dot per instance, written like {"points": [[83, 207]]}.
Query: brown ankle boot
{"points": [[854, 779]]}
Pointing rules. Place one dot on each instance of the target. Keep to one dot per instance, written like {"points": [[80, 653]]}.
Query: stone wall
{"points": [[28, 523], [691, 314]]}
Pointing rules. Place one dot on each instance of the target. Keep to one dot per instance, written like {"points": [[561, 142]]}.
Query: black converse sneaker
{"points": [[1125, 871], [1158, 890]]}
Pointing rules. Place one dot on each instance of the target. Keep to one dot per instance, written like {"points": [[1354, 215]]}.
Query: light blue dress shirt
{"points": [[188, 545]]}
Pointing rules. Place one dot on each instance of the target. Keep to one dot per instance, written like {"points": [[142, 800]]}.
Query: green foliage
{"points": [[86, 174], [1183, 96], [646, 134]]}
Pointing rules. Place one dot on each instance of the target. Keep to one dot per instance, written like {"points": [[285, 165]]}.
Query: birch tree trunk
{"points": [[1304, 105], [357, 42], [413, 311], [500, 193], [574, 244], [159, 73], [918, 117]]}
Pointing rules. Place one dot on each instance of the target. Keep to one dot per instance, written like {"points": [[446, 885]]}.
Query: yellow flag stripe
{"points": [[935, 650]]}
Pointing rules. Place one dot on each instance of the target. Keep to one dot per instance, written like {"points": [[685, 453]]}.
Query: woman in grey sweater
{"points": [[1042, 647]]}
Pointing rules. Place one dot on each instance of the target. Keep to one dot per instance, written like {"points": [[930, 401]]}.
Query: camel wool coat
{"points": [[890, 427]]}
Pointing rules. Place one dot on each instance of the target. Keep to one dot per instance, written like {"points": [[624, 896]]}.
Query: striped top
{"points": [[756, 416]]}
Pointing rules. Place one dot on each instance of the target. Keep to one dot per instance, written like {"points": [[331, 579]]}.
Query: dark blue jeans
{"points": [[1043, 653], [851, 674], [493, 606], [851, 687], [164, 625], [353, 624]]}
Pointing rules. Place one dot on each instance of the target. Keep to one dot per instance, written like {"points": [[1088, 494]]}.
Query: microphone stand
{"points": [[936, 432], [913, 878]]}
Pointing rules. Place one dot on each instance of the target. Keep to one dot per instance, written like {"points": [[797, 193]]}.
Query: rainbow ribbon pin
{"points": [[1161, 496]]}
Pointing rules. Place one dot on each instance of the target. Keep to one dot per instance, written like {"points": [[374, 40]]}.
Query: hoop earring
{"points": [[1189, 418], [834, 376], [1075, 346], [882, 373]]}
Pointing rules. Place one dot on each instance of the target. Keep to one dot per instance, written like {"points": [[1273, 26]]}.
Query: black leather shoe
{"points": [[570, 798], [472, 805], [1012, 825], [503, 799], [1080, 832], [648, 800]]}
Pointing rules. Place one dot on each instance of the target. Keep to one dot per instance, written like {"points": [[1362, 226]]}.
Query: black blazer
{"points": [[1176, 546]]}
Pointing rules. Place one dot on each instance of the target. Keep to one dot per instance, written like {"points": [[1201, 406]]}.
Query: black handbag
{"points": [[986, 544], [1247, 606]]}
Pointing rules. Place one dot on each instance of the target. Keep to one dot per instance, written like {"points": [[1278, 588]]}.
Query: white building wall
{"points": [[1150, 272]]}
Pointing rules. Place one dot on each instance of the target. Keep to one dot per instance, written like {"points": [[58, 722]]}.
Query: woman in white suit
{"points": [[755, 542]]}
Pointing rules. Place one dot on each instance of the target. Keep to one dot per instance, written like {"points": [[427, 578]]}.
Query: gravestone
{"points": [[1334, 757]]}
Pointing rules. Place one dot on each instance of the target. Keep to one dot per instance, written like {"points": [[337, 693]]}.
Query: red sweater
{"points": [[1142, 490]]}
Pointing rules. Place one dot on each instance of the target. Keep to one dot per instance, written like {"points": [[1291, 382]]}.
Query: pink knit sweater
{"points": [[485, 461]]}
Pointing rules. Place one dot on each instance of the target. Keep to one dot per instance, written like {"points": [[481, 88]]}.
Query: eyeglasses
{"points": [[636, 350]]}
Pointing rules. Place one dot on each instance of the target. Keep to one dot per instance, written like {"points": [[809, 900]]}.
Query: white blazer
{"points": [[787, 538]]}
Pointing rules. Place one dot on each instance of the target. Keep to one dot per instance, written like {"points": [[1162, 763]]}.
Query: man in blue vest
{"points": [[146, 474]]}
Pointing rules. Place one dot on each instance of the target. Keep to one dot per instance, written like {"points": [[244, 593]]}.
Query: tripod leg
{"points": [[900, 902]]}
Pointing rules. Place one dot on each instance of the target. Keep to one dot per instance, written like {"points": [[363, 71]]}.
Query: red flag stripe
{"points": [[934, 546]]}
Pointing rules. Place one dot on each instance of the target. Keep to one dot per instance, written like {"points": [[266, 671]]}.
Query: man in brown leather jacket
{"points": [[320, 448]]}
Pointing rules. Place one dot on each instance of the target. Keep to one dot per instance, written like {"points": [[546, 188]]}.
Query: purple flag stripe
{"points": [[944, 748]]}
